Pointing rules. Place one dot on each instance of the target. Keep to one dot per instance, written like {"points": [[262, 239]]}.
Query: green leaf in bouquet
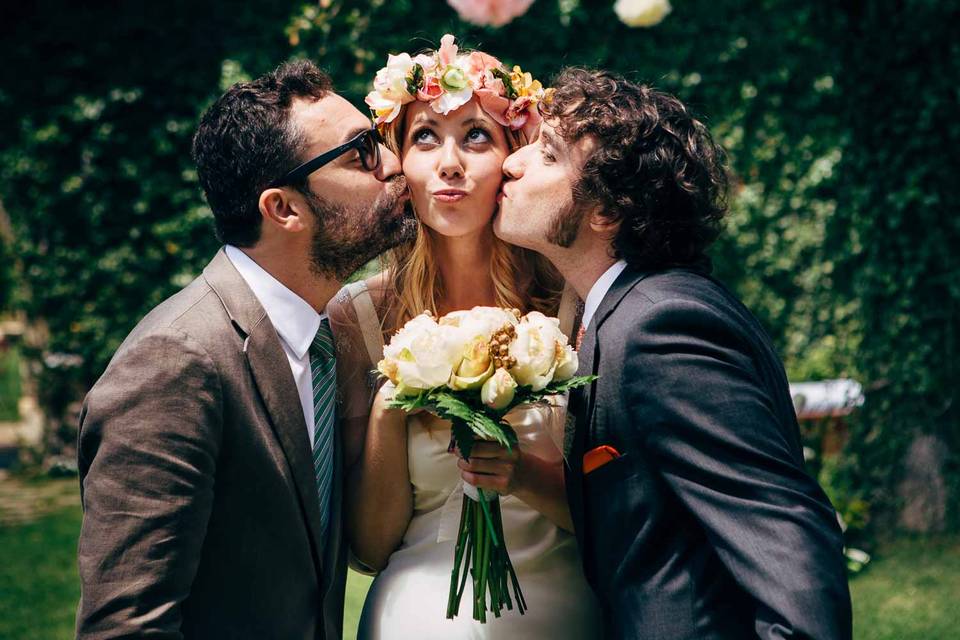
{"points": [[464, 437], [526, 395], [449, 406], [566, 385]]}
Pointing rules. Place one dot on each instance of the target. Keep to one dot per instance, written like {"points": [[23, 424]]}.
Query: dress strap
{"points": [[367, 319]]}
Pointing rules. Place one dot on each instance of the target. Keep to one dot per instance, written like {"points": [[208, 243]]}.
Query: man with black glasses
{"points": [[208, 454]]}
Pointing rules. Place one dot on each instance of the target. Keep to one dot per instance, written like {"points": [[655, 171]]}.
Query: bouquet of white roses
{"points": [[472, 368]]}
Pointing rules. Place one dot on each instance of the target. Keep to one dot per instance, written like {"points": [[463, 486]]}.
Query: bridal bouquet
{"points": [[472, 368]]}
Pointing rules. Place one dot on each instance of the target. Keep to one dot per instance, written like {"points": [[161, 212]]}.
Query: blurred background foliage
{"points": [[839, 118]]}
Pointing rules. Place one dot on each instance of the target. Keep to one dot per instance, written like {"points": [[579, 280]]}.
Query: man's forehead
{"points": [[579, 151], [328, 121]]}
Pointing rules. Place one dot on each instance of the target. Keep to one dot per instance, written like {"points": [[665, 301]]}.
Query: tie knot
{"points": [[322, 346]]}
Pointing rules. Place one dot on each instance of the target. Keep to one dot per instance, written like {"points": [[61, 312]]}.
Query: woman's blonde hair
{"points": [[522, 279]]}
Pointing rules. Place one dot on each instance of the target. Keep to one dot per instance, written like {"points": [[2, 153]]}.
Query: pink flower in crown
{"points": [[518, 113], [479, 68], [494, 13], [447, 53], [430, 90], [494, 104]]}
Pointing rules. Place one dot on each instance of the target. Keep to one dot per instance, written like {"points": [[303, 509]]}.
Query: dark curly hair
{"points": [[655, 169], [244, 141]]}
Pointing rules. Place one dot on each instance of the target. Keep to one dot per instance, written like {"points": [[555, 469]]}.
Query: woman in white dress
{"points": [[404, 487]]}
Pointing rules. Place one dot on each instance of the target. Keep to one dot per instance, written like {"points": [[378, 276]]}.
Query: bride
{"points": [[452, 119]]}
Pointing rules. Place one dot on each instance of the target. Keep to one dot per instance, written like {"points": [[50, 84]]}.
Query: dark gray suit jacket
{"points": [[707, 526], [201, 516]]}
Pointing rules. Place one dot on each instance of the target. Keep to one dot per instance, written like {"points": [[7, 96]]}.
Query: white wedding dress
{"points": [[408, 599]]}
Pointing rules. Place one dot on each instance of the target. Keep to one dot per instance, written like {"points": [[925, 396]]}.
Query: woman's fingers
{"points": [[485, 466], [500, 484], [495, 474], [488, 450]]}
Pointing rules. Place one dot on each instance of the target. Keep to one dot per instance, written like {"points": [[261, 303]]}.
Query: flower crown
{"points": [[447, 81]]}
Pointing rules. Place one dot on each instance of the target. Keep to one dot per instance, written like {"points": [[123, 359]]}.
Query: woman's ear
{"points": [[283, 209]]}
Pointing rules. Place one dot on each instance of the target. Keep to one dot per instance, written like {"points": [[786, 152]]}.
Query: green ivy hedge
{"points": [[839, 118]]}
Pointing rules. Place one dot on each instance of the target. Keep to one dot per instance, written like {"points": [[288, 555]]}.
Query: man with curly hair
{"points": [[685, 473]]}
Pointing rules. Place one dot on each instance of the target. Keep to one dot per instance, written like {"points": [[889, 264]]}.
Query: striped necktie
{"points": [[324, 373]]}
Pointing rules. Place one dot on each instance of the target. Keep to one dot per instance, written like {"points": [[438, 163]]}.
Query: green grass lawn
{"points": [[38, 577], [909, 592], [9, 384]]}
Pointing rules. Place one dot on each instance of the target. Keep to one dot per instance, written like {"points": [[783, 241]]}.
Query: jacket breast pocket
{"points": [[617, 469]]}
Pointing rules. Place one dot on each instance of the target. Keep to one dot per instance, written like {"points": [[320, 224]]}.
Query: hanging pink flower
{"points": [[493, 13]]}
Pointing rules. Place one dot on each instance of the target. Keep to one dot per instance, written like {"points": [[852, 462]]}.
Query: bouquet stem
{"points": [[481, 552]]}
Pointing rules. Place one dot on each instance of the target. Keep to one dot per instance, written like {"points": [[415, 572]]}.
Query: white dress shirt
{"points": [[294, 319], [599, 290]]}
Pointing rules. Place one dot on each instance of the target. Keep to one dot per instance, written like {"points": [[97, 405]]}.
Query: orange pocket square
{"points": [[596, 458]]}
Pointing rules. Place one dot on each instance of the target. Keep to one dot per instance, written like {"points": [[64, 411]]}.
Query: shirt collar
{"points": [[599, 290], [294, 319]]}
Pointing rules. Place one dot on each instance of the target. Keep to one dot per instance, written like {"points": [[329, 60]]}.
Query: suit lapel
{"points": [[589, 355], [275, 384]]}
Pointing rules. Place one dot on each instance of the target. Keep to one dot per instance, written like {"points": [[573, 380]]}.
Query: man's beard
{"points": [[566, 223], [347, 237]]}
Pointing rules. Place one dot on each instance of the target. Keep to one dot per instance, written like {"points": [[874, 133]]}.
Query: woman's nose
{"points": [[451, 165]]}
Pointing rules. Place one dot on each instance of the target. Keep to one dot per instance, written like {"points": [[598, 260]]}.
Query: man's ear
{"points": [[601, 224], [282, 208]]}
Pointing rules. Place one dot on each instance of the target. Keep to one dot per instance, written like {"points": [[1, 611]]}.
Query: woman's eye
{"points": [[424, 136], [477, 136]]}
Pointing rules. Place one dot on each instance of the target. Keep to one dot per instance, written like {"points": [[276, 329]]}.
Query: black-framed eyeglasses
{"points": [[367, 144]]}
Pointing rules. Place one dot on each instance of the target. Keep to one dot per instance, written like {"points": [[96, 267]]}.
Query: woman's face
{"points": [[453, 166]]}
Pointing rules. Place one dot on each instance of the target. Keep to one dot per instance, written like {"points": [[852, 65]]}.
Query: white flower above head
{"points": [[642, 13]]}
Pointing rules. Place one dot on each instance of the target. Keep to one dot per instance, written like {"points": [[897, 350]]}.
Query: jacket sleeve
{"points": [[149, 438], [713, 432]]}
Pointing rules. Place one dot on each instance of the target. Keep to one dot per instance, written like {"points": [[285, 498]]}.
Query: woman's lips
{"points": [[450, 195]]}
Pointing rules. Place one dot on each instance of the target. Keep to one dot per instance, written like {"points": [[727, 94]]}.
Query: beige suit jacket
{"points": [[201, 517]]}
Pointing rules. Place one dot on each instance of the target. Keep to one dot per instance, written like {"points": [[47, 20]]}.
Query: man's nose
{"points": [[513, 165], [389, 164]]}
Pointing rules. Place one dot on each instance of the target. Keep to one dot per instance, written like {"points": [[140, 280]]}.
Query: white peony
{"points": [[567, 363], [476, 327], [422, 355], [642, 13], [536, 348], [480, 321], [498, 391]]}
